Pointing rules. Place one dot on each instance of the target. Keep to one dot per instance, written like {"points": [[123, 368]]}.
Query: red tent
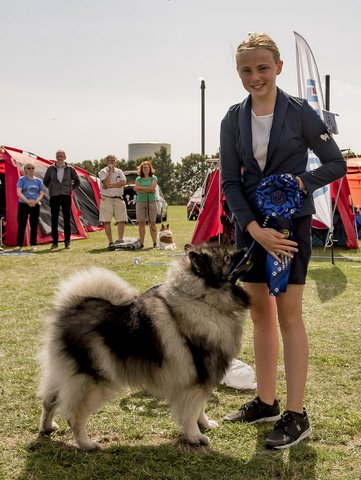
{"points": [[85, 202], [354, 180], [214, 220], [209, 223]]}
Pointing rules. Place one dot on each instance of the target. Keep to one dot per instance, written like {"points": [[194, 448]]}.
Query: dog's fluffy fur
{"points": [[165, 238], [174, 341]]}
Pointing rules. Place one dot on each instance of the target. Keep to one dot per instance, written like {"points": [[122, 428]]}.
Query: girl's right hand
{"points": [[274, 242]]}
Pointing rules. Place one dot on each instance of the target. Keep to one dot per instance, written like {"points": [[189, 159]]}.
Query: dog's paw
{"points": [[197, 439], [212, 424], [89, 446], [47, 429]]}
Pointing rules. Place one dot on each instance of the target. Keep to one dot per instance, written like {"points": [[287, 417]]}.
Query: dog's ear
{"points": [[198, 262], [167, 226], [188, 247]]}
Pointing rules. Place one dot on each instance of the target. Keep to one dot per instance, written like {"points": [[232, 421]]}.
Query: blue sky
{"points": [[92, 76]]}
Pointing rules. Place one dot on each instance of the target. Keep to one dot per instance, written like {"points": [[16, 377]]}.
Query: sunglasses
{"points": [[30, 168]]}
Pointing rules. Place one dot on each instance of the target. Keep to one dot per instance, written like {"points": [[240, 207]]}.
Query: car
{"points": [[130, 198], [194, 204]]}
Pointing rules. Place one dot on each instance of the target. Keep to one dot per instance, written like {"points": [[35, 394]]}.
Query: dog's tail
{"points": [[95, 282]]}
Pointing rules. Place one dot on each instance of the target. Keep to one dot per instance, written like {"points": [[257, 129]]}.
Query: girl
{"points": [[146, 208], [269, 133]]}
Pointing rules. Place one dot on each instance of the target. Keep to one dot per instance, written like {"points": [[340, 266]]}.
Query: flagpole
{"points": [[327, 107], [327, 93], [310, 88]]}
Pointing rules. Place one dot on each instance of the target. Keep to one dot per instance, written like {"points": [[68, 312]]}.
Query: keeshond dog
{"points": [[175, 341]]}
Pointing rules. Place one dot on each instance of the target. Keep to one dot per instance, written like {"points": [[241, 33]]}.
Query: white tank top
{"points": [[261, 128]]}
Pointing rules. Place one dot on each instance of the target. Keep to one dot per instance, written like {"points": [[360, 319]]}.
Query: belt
{"points": [[107, 196]]}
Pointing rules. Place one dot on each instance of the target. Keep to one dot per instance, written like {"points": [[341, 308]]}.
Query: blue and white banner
{"points": [[310, 88]]}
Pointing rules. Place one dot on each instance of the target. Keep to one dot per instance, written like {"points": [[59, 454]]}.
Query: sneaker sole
{"points": [[265, 419], [305, 434], [260, 420]]}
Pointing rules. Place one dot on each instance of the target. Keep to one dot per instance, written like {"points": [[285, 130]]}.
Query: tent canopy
{"points": [[354, 180]]}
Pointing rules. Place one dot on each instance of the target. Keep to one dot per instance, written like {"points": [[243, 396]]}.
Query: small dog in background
{"points": [[165, 238]]}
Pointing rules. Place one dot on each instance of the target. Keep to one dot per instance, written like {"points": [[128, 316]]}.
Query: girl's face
{"points": [[258, 71]]}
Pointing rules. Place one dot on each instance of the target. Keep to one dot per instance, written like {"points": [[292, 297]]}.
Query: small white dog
{"points": [[165, 238]]}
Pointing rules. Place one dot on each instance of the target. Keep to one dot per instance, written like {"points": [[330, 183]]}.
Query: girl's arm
{"points": [[231, 165], [151, 188], [333, 163]]}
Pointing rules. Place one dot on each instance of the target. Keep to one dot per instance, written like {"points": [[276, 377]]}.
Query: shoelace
{"points": [[283, 422], [247, 406]]}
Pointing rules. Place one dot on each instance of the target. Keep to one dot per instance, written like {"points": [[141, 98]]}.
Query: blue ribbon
{"points": [[279, 198]]}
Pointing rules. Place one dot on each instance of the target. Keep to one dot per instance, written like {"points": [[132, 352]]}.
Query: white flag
{"points": [[310, 88]]}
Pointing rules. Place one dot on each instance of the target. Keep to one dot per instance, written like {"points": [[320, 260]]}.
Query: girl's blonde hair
{"points": [[140, 168], [260, 40]]}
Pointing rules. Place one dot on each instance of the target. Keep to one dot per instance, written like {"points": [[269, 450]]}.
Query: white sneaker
{"points": [[17, 249], [33, 248]]}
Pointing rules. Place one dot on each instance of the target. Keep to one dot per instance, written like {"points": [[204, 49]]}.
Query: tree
{"points": [[91, 166], [191, 175], [177, 181], [94, 166], [164, 172]]}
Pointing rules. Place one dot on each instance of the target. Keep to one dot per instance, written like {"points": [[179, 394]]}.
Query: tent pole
{"points": [[2, 219], [354, 213], [219, 204], [333, 213]]}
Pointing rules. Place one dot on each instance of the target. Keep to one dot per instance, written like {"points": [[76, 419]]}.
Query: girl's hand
{"points": [[274, 242], [301, 185]]}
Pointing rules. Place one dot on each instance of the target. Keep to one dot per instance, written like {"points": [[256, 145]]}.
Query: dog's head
{"points": [[217, 264], [165, 235]]}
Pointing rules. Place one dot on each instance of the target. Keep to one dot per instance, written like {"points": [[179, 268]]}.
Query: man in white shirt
{"points": [[112, 181]]}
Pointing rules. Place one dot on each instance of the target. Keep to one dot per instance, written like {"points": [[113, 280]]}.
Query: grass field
{"points": [[139, 439]]}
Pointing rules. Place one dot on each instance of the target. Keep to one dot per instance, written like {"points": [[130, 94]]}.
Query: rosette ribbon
{"points": [[279, 198]]}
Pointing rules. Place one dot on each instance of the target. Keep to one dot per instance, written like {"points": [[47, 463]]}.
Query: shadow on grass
{"points": [[330, 283], [119, 250], [297, 462], [48, 459]]}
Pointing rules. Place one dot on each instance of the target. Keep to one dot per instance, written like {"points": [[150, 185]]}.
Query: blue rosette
{"points": [[279, 199], [279, 195]]}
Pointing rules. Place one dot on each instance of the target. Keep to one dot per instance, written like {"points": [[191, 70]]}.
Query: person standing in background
{"points": [[30, 191], [112, 181], [61, 179], [146, 207]]}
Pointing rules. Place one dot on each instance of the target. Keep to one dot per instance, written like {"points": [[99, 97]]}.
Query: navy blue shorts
{"points": [[298, 273]]}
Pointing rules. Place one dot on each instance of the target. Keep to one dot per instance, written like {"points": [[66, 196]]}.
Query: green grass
{"points": [[139, 439]]}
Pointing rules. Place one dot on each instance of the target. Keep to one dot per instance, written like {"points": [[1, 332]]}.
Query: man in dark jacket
{"points": [[61, 179]]}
